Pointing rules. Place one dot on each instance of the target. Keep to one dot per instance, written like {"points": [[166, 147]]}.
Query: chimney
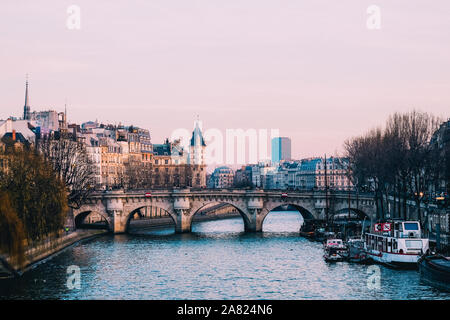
{"points": [[14, 135]]}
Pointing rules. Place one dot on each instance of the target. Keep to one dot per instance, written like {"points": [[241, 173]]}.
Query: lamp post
{"points": [[419, 196], [440, 201]]}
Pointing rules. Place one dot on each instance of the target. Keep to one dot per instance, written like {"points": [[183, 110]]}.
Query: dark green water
{"points": [[216, 261]]}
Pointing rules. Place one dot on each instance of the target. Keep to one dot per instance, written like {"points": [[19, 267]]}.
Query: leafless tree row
{"points": [[398, 161]]}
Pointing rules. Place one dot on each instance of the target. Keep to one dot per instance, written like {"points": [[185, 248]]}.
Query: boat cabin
{"points": [[335, 243], [401, 237]]}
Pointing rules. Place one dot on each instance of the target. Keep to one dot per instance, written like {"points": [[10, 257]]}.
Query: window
{"points": [[411, 226], [414, 244]]}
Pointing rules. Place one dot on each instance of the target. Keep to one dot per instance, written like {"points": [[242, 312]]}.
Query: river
{"points": [[216, 261]]}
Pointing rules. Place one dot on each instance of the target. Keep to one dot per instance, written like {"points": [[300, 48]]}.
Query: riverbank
{"points": [[44, 250]]}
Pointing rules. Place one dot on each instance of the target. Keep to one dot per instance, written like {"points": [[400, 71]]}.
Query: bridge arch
{"points": [[130, 212], [240, 207], [355, 213], [81, 216], [304, 211]]}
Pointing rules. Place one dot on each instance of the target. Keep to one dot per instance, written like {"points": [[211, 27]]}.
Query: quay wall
{"points": [[44, 250]]}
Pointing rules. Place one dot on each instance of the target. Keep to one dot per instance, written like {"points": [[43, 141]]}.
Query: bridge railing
{"points": [[331, 194]]}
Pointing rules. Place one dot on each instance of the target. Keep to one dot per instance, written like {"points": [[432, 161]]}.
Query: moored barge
{"points": [[396, 243]]}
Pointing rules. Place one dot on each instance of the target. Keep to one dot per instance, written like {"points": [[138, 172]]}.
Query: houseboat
{"points": [[396, 243]]}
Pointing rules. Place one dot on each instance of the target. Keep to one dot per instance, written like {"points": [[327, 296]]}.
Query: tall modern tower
{"points": [[281, 149], [26, 107]]}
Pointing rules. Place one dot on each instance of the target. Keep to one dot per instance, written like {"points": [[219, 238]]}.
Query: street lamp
{"points": [[440, 201]]}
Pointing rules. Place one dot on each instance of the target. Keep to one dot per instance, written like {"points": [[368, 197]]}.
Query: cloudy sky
{"points": [[312, 69]]}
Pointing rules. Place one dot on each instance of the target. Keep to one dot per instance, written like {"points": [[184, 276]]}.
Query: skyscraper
{"points": [[281, 149]]}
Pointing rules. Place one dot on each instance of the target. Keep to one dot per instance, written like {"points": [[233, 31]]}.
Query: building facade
{"points": [[306, 174], [222, 177]]}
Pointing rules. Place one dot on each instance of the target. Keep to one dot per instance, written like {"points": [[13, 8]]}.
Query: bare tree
{"points": [[35, 192], [70, 160], [397, 161], [138, 174]]}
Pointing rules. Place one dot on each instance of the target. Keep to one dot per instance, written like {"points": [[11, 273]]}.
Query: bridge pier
{"points": [[184, 221], [182, 208], [253, 223], [119, 223], [114, 208]]}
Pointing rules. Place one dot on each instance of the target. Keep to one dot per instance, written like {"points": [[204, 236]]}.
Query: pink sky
{"points": [[309, 68]]}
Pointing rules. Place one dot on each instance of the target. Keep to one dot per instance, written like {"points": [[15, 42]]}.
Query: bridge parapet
{"points": [[181, 202], [255, 203]]}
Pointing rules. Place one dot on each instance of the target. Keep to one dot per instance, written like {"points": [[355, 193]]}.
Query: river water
{"points": [[216, 261]]}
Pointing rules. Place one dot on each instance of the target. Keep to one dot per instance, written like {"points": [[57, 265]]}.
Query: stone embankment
{"points": [[44, 250]]}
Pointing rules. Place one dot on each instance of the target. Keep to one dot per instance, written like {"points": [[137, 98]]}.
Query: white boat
{"points": [[335, 250], [396, 243]]}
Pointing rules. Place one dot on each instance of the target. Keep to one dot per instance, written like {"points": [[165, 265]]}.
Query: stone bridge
{"points": [[117, 207]]}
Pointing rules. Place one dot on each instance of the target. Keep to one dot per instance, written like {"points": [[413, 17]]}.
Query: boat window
{"points": [[411, 226], [414, 244]]}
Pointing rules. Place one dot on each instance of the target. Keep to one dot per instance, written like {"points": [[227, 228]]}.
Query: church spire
{"points": [[197, 136], [26, 107]]}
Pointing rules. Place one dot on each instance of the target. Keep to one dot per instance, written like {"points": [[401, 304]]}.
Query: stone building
{"points": [[243, 177], [112, 157], [170, 168], [222, 177]]}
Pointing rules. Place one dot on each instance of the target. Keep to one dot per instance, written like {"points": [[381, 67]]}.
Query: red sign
{"points": [[378, 227], [148, 194], [386, 227]]}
